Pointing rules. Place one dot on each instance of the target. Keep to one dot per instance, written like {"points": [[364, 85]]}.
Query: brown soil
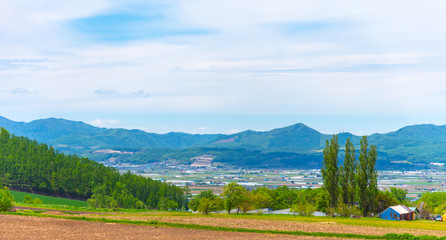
{"points": [[25, 227], [283, 225]]}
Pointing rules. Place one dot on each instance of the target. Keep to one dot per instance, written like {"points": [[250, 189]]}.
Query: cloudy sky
{"points": [[204, 66]]}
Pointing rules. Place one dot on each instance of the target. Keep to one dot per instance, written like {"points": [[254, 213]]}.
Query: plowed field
{"points": [[26, 227]]}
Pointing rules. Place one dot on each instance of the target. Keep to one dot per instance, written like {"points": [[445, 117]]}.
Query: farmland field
{"points": [[364, 226], [25, 227], [415, 182], [159, 225]]}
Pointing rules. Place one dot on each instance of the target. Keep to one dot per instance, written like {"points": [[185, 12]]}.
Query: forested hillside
{"points": [[30, 166]]}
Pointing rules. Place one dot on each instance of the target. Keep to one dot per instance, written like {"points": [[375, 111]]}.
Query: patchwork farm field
{"points": [[172, 225]]}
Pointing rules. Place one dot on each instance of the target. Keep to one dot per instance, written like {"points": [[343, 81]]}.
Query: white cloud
{"points": [[259, 57], [113, 93], [232, 131], [22, 91], [106, 92], [105, 123]]}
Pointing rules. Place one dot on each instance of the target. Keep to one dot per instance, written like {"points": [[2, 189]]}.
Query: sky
{"points": [[204, 66]]}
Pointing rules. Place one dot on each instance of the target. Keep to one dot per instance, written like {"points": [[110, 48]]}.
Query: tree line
{"points": [[354, 180], [349, 188], [34, 167], [236, 199]]}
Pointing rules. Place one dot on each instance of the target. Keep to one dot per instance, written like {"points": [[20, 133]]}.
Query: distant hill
{"points": [[76, 136], [419, 144], [295, 138]]}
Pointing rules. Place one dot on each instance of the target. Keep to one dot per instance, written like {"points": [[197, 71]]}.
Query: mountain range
{"points": [[409, 146]]}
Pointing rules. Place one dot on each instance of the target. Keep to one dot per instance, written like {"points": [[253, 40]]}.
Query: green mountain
{"points": [[78, 137], [296, 138], [419, 144]]}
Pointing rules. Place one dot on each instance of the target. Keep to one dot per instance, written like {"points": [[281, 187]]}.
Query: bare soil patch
{"points": [[26, 227]]}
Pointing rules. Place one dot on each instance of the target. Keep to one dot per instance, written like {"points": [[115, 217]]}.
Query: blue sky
{"points": [[203, 66]]}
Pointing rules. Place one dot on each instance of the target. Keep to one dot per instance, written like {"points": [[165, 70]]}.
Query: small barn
{"points": [[399, 212]]}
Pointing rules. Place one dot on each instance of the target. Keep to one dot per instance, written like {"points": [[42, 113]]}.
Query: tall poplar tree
{"points": [[347, 176], [330, 170], [373, 174], [366, 177]]}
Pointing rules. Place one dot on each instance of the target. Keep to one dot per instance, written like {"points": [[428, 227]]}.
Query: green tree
{"points": [[234, 195], [367, 177], [194, 203], [330, 170], [167, 204], [246, 203], [397, 193], [208, 205], [205, 205], [261, 198], [432, 201], [206, 202], [347, 174], [384, 201], [322, 201], [373, 173], [187, 196], [6, 200]]}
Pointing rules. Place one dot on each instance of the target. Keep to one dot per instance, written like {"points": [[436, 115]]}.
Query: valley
{"points": [[294, 147], [415, 182]]}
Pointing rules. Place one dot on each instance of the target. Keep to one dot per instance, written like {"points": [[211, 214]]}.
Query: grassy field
{"points": [[47, 200]]}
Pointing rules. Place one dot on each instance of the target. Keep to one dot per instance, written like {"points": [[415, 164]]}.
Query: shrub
{"points": [[28, 199], [37, 201], [344, 210], [303, 209], [6, 200]]}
